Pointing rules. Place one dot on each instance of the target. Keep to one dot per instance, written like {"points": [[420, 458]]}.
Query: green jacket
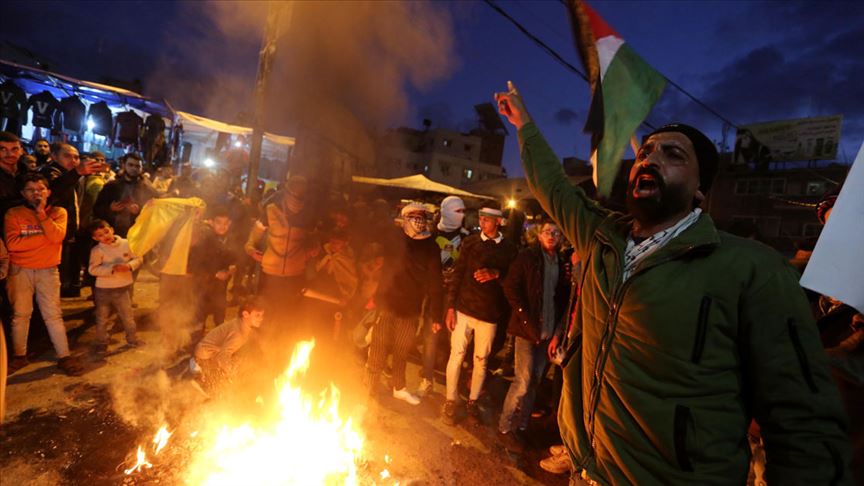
{"points": [[668, 369]]}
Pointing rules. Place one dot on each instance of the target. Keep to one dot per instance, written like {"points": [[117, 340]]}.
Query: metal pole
{"points": [[265, 64]]}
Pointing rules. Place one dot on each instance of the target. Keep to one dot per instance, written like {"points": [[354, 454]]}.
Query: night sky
{"points": [[750, 61]]}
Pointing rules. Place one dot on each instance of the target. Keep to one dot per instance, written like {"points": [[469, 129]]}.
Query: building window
{"points": [[467, 147], [445, 168], [815, 188], [448, 142], [468, 174]]}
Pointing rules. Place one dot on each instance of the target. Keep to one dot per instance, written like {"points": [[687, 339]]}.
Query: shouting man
{"points": [[683, 334]]}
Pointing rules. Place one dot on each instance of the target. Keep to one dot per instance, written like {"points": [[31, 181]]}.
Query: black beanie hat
{"points": [[706, 152]]}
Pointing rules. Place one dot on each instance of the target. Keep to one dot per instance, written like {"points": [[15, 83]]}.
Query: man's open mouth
{"points": [[646, 186]]}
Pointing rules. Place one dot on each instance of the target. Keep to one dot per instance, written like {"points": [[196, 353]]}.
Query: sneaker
{"points": [[71, 366], [558, 449], [17, 363], [448, 414], [425, 388], [559, 464], [406, 396], [511, 441]]}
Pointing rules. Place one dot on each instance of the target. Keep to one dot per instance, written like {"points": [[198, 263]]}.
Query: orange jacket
{"points": [[32, 242]]}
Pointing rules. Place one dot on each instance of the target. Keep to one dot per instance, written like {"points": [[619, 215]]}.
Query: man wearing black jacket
{"points": [[63, 173], [412, 272], [475, 304], [121, 200], [537, 289]]}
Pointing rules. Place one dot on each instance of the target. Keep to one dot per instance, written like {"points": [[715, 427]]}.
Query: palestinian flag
{"points": [[623, 88]]}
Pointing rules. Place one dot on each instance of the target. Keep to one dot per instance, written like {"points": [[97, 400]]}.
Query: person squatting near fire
{"points": [[411, 273], [212, 262], [537, 287], [215, 356], [683, 333], [475, 303], [448, 237], [34, 237], [113, 264]]}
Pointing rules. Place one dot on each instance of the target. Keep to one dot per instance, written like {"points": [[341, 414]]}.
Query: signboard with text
{"points": [[788, 140]]}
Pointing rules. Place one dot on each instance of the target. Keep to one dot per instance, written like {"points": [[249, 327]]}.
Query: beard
{"points": [[668, 200]]}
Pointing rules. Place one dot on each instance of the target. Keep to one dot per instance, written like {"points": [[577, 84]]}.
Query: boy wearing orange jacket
{"points": [[34, 238]]}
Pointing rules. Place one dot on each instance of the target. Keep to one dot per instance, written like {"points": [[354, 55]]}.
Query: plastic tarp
{"points": [[34, 80], [418, 182], [218, 126]]}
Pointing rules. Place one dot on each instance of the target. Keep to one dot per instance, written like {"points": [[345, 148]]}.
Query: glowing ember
{"points": [[140, 464], [308, 443], [161, 439]]}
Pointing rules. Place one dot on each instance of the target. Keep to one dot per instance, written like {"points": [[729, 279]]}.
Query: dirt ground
{"points": [[60, 430]]}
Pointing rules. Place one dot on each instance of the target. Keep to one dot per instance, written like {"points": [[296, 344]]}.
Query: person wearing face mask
{"points": [[449, 235], [121, 200], [411, 273]]}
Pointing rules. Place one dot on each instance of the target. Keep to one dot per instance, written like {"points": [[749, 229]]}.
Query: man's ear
{"points": [[698, 198]]}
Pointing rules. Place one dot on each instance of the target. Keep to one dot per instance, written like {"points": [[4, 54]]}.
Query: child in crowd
{"points": [[214, 355], [112, 263], [212, 262]]}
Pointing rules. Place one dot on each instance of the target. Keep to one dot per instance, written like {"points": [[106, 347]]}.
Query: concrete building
{"points": [[778, 204], [445, 155]]}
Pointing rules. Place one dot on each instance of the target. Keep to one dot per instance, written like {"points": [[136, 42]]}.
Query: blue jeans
{"points": [[530, 361], [119, 300]]}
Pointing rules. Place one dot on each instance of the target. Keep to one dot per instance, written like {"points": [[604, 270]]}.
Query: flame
{"points": [[140, 464], [308, 443], [161, 439]]}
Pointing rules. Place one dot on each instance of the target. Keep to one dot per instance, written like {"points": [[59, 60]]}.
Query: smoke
{"points": [[342, 70]]}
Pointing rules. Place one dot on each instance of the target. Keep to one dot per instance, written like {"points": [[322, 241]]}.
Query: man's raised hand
{"points": [[510, 105]]}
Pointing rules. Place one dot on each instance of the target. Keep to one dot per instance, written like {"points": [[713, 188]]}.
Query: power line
{"points": [[537, 40], [573, 68]]}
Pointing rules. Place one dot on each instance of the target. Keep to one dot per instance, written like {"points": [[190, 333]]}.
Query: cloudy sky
{"points": [[750, 61]]}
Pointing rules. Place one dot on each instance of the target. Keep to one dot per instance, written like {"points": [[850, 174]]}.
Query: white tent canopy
{"points": [[418, 182], [196, 123]]}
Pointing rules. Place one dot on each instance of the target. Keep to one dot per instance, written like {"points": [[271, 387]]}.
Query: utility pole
{"points": [[275, 9]]}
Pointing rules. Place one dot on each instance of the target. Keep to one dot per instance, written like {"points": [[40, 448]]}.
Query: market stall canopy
{"points": [[192, 123], [418, 182], [33, 80]]}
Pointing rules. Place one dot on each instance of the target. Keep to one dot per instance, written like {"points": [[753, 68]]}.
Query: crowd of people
{"points": [[668, 343]]}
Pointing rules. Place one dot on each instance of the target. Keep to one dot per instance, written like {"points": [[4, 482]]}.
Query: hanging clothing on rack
{"points": [[73, 111], [153, 140], [127, 128], [44, 105], [12, 101], [101, 116]]}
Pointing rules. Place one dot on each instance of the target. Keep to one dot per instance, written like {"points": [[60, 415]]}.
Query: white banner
{"points": [[836, 268]]}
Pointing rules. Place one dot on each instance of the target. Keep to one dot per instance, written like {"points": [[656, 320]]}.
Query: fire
{"points": [[307, 443], [141, 462], [161, 439]]}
